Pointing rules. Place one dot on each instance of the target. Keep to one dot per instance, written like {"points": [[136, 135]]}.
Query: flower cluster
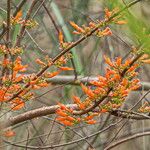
{"points": [[84, 30], [13, 51], [108, 92], [19, 20], [109, 14], [15, 79]]}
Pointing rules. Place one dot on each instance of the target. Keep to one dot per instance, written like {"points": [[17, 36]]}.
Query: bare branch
{"points": [[51, 110], [127, 139]]}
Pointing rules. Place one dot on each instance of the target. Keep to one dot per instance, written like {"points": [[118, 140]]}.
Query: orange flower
{"points": [[33, 82], [118, 61], [135, 81], [99, 90], [19, 15], [104, 110], [147, 61], [125, 92], [147, 108], [91, 122], [81, 106], [144, 56], [108, 61], [9, 133], [19, 67], [132, 68], [89, 117], [6, 62], [124, 82], [107, 13], [17, 104], [116, 77], [76, 100], [121, 22], [96, 83], [92, 24], [44, 84], [2, 94], [87, 91], [78, 119], [18, 79], [107, 31], [53, 74], [76, 32], [61, 113], [69, 118], [62, 106], [116, 105], [66, 122], [38, 61], [135, 87], [60, 119], [35, 87], [66, 68], [79, 29], [61, 37], [127, 62]]}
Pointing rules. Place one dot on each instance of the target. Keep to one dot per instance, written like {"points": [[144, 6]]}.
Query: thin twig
{"points": [[127, 139], [68, 143]]}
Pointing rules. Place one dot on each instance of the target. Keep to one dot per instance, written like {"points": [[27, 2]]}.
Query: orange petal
{"points": [[38, 61], [66, 68], [121, 22], [89, 117], [61, 113], [61, 37], [62, 106], [18, 106], [76, 100], [19, 15], [9, 133], [79, 29], [69, 118], [104, 110], [108, 61], [67, 123], [91, 122], [53, 74], [87, 91]]}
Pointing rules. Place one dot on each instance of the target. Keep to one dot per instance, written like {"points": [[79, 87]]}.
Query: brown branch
{"points": [[35, 113], [128, 114], [51, 110], [127, 139], [51, 18], [5, 69]]}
